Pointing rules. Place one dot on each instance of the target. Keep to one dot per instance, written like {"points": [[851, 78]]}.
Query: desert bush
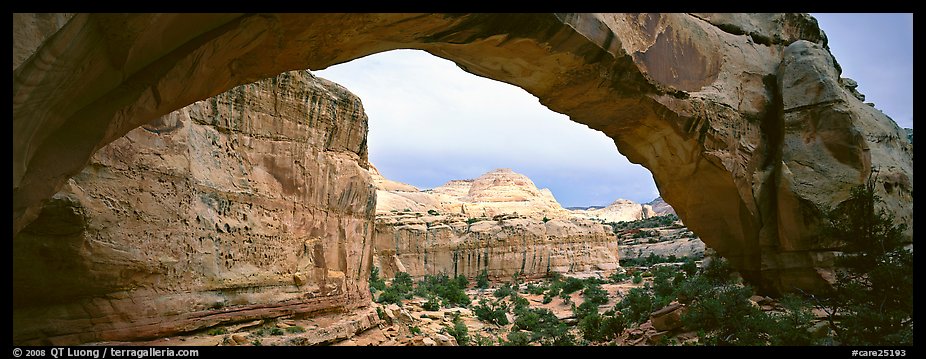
{"points": [[503, 291], [597, 328], [376, 282], [728, 318], [399, 290], [458, 331], [544, 327], [450, 292], [489, 313], [482, 280], [295, 329], [618, 277]]}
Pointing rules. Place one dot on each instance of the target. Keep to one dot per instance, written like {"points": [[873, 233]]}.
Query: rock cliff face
{"points": [[621, 210], [420, 244], [495, 222], [742, 118], [660, 207], [252, 204]]}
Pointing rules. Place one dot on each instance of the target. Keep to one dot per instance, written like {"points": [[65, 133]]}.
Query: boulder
{"points": [[668, 318]]}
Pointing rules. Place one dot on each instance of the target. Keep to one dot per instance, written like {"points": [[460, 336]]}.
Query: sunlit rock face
{"points": [[742, 118], [621, 210], [503, 246], [497, 192], [252, 204], [500, 223]]}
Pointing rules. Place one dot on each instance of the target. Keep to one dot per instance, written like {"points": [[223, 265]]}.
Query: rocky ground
{"points": [[410, 324]]}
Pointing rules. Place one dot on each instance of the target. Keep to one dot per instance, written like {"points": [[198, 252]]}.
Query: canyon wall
{"points": [[252, 204], [421, 244], [499, 222]]}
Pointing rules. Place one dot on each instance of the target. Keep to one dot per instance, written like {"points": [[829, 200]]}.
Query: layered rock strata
{"points": [[499, 222], [506, 245], [252, 204]]}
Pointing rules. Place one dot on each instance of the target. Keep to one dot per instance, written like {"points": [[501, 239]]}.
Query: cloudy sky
{"points": [[431, 122]]}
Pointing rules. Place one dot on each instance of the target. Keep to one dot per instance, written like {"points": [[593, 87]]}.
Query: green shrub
{"points": [[694, 288], [488, 313], [544, 327], [637, 278], [399, 290], [572, 284], [792, 326], [256, 342], [535, 289], [718, 271], [618, 277], [547, 298], [503, 291], [433, 212], [482, 280], [276, 331], [585, 309], [482, 341], [295, 329], [518, 301], [517, 338], [450, 292], [432, 304], [663, 281], [458, 331], [649, 260], [461, 281], [594, 294], [376, 283], [728, 318], [415, 330], [690, 267], [218, 331], [597, 328], [637, 305]]}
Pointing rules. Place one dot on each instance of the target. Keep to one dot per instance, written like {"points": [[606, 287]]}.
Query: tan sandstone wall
{"points": [[508, 244], [251, 204]]}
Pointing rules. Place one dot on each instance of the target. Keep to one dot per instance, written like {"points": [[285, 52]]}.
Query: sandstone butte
{"points": [[743, 119], [499, 222]]}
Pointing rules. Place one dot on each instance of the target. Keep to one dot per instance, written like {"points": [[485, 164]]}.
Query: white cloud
{"points": [[431, 122]]}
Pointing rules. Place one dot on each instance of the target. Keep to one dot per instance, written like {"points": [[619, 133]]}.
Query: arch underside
{"points": [[698, 99]]}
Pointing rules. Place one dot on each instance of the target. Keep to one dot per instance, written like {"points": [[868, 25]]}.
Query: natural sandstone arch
{"points": [[697, 99]]}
